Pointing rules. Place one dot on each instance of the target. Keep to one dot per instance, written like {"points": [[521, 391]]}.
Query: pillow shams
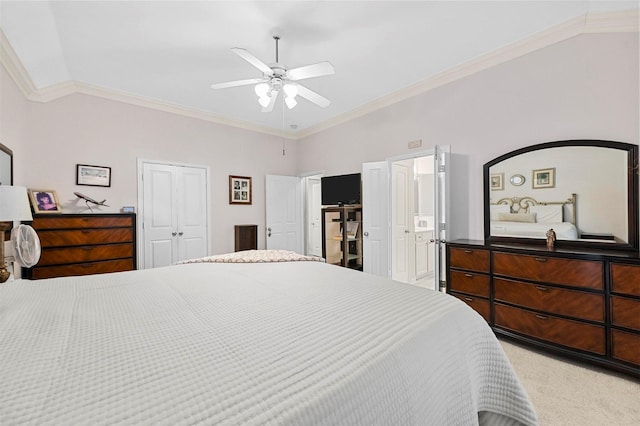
{"points": [[517, 217], [548, 213], [496, 209]]}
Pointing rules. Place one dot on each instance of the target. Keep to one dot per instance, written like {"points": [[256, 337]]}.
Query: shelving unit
{"points": [[342, 236]]}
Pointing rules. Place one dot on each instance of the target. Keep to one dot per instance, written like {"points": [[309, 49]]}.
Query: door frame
{"points": [[307, 217], [140, 162]]}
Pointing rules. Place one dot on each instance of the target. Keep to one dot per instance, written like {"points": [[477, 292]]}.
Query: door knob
{"points": [[366, 234], [268, 231], [181, 233], [174, 233], [406, 231]]}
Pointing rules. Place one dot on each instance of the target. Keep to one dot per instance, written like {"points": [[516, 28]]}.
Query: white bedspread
{"points": [[301, 343], [563, 230]]}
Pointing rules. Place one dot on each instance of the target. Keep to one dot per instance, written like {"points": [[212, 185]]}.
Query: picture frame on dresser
{"points": [[44, 201]]}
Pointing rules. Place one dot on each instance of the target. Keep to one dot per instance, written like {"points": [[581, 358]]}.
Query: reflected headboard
{"points": [[522, 204]]}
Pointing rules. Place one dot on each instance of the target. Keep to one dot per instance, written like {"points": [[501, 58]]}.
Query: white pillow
{"points": [[547, 214], [496, 209], [517, 217]]}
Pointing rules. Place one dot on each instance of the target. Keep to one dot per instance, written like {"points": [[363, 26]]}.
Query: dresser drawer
{"points": [[469, 259], [626, 346], [70, 222], [625, 312], [481, 306], [467, 282], [558, 301], [82, 269], [574, 334], [55, 256], [625, 279], [85, 237], [571, 272]]}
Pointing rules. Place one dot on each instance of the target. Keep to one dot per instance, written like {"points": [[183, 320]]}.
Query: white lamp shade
{"points": [[291, 102], [262, 89], [291, 90], [14, 204]]}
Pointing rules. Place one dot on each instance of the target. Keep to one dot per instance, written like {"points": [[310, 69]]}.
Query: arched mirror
{"points": [[585, 190]]}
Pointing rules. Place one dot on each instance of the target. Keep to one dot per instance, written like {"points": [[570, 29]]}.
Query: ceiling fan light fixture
{"points": [[290, 101], [264, 100], [291, 90], [262, 89]]}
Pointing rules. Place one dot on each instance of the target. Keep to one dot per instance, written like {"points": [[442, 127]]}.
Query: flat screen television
{"points": [[341, 190]]}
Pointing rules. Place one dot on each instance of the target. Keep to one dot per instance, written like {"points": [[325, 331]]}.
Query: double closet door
{"points": [[174, 213]]}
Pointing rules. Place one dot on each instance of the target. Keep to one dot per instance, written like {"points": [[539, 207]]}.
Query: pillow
{"points": [[517, 217], [496, 209], [547, 214]]}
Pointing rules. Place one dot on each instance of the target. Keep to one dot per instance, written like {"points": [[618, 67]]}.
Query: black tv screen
{"points": [[342, 189]]}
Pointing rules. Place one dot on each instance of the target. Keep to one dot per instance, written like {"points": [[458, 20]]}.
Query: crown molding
{"points": [[602, 22]]}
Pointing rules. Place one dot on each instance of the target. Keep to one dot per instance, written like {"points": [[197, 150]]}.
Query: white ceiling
{"points": [[172, 51]]}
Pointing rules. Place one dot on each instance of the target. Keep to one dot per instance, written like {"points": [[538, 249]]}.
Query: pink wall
{"points": [[49, 139], [585, 87]]}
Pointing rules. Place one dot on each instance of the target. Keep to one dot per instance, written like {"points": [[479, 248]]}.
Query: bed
{"points": [[224, 342], [527, 217]]}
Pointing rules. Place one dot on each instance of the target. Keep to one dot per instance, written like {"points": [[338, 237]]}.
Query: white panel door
{"points": [[192, 213], [314, 214], [174, 214], [375, 218], [160, 218], [284, 213], [399, 218], [441, 199]]}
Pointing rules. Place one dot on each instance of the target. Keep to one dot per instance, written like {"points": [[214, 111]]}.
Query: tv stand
{"points": [[342, 236]]}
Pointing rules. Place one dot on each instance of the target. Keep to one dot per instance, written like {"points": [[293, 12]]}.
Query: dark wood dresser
{"points": [[83, 244], [581, 303]]}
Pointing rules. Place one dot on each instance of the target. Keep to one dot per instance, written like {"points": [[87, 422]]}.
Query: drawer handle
{"points": [[468, 275], [85, 231], [541, 259], [468, 251], [542, 317], [539, 287], [468, 299]]}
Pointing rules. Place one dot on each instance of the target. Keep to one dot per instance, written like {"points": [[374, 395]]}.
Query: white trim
{"points": [[600, 22], [140, 203]]}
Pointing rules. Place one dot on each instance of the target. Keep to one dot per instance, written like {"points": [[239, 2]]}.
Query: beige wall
{"points": [[49, 139], [582, 88]]}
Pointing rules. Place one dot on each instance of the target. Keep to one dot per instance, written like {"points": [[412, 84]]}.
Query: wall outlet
{"points": [[415, 144]]}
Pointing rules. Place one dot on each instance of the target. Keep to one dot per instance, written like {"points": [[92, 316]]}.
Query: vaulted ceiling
{"points": [[166, 54]]}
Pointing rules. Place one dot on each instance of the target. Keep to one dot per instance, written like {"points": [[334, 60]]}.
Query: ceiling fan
{"points": [[276, 77]]}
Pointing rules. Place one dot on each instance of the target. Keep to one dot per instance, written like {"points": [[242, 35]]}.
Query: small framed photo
{"points": [[239, 190], [544, 178], [93, 175], [497, 181], [44, 201]]}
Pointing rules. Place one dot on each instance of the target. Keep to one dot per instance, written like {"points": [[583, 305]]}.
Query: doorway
{"points": [[173, 219], [412, 220]]}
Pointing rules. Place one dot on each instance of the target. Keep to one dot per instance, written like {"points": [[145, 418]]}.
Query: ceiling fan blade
{"points": [[314, 70], [313, 96], [244, 54], [272, 102], [236, 83]]}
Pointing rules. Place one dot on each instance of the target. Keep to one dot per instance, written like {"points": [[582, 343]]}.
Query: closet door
{"points": [[174, 213]]}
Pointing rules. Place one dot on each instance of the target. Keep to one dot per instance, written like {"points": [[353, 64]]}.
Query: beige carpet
{"points": [[570, 393]]}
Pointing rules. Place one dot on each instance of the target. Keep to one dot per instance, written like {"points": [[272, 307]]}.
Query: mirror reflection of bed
{"points": [[527, 217]]}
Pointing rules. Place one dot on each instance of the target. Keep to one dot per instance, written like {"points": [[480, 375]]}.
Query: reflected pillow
{"points": [[496, 209], [547, 214], [517, 217]]}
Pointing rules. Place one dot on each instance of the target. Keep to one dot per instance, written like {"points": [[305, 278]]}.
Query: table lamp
{"points": [[14, 206]]}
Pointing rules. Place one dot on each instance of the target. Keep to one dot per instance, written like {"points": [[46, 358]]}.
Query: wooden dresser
{"points": [[83, 244], [582, 303], [246, 237]]}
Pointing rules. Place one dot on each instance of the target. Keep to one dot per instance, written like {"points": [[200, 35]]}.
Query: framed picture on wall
{"points": [[544, 178], [239, 190], [497, 181], [44, 201], [93, 175]]}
